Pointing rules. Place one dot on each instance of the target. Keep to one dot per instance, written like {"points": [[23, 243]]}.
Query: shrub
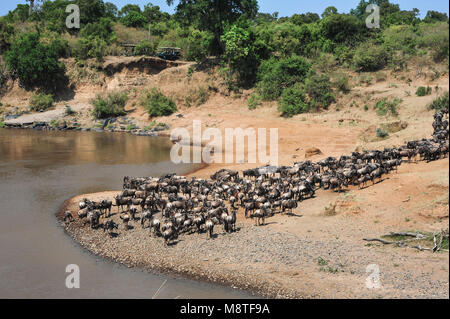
{"points": [[101, 29], [157, 104], [380, 76], [365, 79], [134, 19], [275, 75], [6, 35], [292, 101], [318, 88], [60, 46], [440, 102], [146, 48], [341, 82], [112, 105], [254, 101], [69, 111], [385, 106], [3, 75], [370, 58], [422, 91], [198, 45], [35, 64], [242, 53], [197, 97], [89, 48], [382, 133], [41, 102]]}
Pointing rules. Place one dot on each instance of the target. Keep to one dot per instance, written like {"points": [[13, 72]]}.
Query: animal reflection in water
{"points": [[173, 205]]}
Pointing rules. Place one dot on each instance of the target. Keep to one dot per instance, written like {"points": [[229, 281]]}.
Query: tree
{"points": [[212, 15], [275, 75], [31, 7], [434, 16], [20, 13], [129, 8], [100, 29], [241, 52], [6, 35], [342, 28], [34, 63], [304, 18], [329, 11], [90, 10], [54, 14], [134, 19], [111, 10], [386, 8], [198, 45], [154, 13]]}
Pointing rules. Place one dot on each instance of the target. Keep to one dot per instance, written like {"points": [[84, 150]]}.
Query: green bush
{"points": [[198, 45], [35, 64], [292, 101], [41, 102], [146, 48], [422, 91], [341, 82], [112, 105], [102, 29], [275, 75], [369, 58], [89, 48], [386, 106], [382, 133], [3, 75], [157, 104], [242, 53], [69, 111], [197, 97], [254, 101], [134, 19], [318, 88], [440, 102], [6, 35]]}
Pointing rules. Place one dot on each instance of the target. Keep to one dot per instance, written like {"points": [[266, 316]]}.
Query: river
{"points": [[38, 171]]}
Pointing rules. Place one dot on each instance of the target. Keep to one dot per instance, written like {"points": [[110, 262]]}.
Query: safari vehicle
{"points": [[171, 54]]}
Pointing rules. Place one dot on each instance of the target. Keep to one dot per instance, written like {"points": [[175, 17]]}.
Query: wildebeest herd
{"points": [[173, 205]]}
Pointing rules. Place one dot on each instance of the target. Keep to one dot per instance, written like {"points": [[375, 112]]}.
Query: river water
{"points": [[38, 171]]}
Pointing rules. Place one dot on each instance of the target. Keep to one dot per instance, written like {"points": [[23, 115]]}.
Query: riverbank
{"points": [[310, 254]]}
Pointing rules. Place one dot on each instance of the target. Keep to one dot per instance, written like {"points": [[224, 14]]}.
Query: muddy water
{"points": [[38, 171]]}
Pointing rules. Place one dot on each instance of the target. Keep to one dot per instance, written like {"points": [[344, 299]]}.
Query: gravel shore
{"points": [[269, 262]]}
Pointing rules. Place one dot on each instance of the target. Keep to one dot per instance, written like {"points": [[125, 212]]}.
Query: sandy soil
{"points": [[281, 259]]}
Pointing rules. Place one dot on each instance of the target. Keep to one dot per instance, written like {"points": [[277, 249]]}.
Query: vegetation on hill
{"points": [[283, 58], [111, 105]]}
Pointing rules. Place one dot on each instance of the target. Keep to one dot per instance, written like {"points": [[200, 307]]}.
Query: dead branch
{"points": [[416, 235], [386, 242]]}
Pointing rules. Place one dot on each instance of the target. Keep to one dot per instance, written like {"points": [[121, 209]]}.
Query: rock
{"points": [[12, 116], [312, 152]]}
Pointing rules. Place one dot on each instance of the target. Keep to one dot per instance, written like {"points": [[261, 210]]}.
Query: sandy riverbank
{"points": [[308, 255]]}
